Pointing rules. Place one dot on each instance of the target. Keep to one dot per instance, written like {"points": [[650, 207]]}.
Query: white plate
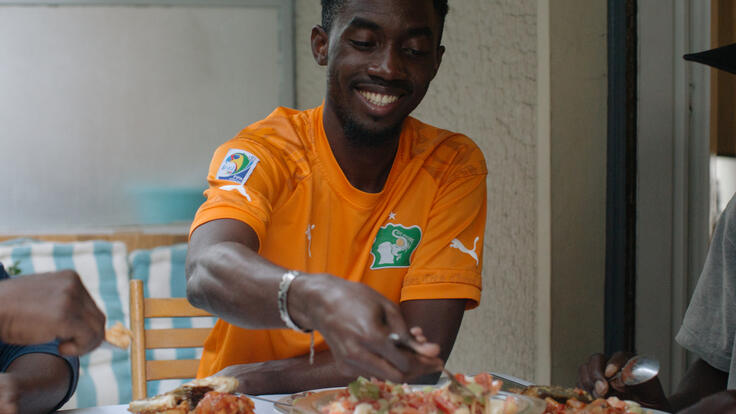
{"points": [[309, 402]]}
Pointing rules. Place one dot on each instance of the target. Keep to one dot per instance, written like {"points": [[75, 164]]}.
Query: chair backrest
{"points": [[142, 308]]}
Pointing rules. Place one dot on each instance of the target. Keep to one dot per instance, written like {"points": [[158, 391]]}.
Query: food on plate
{"points": [[119, 335], [559, 394], [562, 400], [365, 396], [211, 395], [221, 403]]}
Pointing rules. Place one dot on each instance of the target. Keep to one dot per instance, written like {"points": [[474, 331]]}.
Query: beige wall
{"points": [[487, 89], [578, 92]]}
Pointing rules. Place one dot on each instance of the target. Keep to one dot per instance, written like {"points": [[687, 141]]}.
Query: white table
{"points": [[262, 407]]}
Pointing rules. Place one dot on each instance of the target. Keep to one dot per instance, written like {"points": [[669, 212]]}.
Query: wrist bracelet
{"points": [[283, 293]]}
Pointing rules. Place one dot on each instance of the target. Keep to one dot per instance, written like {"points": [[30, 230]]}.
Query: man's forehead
{"points": [[409, 12]]}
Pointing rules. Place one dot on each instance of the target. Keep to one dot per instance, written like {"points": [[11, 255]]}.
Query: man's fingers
{"points": [[83, 337], [615, 363], [414, 338], [596, 364], [418, 334], [592, 376], [370, 364], [589, 383], [380, 367]]}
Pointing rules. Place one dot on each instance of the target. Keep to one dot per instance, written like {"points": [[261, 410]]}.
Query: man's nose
{"points": [[388, 64]]}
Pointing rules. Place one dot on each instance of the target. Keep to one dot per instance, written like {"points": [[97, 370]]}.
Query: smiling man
{"points": [[352, 219]]}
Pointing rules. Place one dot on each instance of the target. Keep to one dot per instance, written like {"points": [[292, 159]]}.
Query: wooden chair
{"points": [[142, 308]]}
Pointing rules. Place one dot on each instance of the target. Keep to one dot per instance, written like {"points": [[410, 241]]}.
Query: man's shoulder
{"points": [[443, 151], [284, 127]]}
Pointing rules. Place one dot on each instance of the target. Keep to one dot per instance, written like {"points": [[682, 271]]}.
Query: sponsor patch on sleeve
{"points": [[237, 166]]}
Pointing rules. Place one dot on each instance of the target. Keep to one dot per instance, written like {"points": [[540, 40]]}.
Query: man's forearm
{"points": [[701, 380], [218, 277], [43, 380], [289, 375]]}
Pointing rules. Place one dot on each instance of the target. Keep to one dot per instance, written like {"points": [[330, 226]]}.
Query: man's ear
{"points": [[440, 53], [320, 45]]}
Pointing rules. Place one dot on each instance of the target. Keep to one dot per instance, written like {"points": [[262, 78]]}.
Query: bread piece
{"points": [[184, 398], [119, 335]]}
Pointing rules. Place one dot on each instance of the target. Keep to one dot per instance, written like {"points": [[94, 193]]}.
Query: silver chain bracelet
{"points": [[283, 293]]}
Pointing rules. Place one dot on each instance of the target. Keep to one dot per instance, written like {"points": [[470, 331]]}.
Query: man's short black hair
{"points": [[330, 9]]}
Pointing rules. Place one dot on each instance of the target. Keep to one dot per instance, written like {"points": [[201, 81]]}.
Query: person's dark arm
{"points": [[226, 276], [723, 402], [700, 381], [68, 313], [36, 383], [440, 322], [439, 319]]}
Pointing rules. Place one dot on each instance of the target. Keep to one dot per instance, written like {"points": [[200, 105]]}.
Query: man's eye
{"points": [[360, 44], [415, 52]]}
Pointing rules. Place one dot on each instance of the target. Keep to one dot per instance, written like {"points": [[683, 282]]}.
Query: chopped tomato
{"points": [[484, 379], [444, 405]]}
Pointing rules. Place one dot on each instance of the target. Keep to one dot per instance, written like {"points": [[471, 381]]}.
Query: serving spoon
{"points": [[638, 370]]}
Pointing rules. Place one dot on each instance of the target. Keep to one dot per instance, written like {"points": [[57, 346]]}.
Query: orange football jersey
{"points": [[421, 237]]}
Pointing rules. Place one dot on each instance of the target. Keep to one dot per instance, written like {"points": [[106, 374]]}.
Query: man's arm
{"points": [[35, 383], [227, 277], [700, 381], [43, 307], [439, 319]]}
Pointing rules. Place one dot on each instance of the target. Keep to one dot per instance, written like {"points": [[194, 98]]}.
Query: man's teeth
{"points": [[379, 99]]}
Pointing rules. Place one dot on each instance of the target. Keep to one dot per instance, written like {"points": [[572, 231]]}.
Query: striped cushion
{"points": [[104, 374], [162, 272]]}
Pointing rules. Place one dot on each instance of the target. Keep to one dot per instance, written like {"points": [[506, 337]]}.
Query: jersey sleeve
{"points": [[449, 259], [246, 179], [709, 325]]}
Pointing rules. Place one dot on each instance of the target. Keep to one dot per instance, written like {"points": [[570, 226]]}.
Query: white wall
{"points": [[97, 100]]}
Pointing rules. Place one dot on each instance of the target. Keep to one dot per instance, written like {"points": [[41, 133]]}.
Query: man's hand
{"points": [[594, 375], [356, 322], [598, 377], [43, 307], [9, 394]]}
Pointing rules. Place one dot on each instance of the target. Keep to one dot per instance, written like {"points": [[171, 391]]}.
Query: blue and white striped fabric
{"points": [[104, 377], [163, 275]]}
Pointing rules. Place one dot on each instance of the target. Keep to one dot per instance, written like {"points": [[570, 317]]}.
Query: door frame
{"points": [[673, 195]]}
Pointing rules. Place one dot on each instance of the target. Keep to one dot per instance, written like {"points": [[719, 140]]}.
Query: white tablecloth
{"points": [[262, 407]]}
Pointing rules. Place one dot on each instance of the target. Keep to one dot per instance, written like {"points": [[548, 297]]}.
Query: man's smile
{"points": [[378, 99]]}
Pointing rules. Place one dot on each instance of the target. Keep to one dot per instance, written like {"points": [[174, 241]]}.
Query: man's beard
{"points": [[360, 136]]}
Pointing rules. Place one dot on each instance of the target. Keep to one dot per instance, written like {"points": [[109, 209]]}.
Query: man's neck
{"points": [[366, 167]]}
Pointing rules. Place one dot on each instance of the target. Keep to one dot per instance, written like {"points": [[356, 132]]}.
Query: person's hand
{"points": [[599, 377], [9, 394], [43, 307], [595, 374], [723, 402], [356, 321]]}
